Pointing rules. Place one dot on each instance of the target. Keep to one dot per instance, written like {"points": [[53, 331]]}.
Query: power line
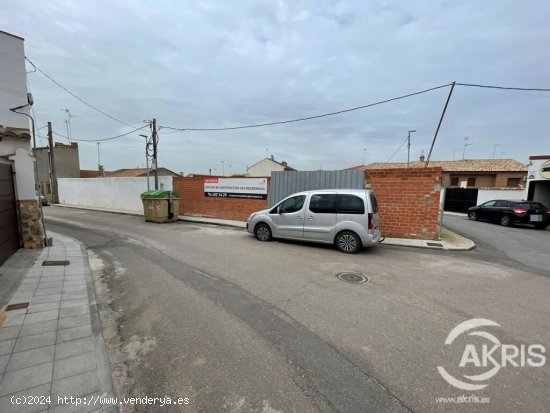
{"points": [[503, 87], [395, 153], [77, 97], [257, 125], [103, 139]]}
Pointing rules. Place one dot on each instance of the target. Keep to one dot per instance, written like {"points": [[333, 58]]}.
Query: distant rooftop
{"points": [[463, 165], [136, 172]]}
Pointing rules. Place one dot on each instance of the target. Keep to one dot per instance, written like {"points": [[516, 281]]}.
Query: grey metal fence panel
{"points": [[283, 184]]}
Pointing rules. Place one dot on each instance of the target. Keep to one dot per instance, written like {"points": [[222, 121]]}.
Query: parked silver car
{"points": [[347, 218]]}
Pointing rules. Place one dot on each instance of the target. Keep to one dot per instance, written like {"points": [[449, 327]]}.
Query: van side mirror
{"points": [[279, 210]]}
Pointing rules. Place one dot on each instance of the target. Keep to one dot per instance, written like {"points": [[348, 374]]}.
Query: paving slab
{"points": [[71, 311], [8, 406], [74, 321], [54, 346], [74, 347], [18, 380], [31, 329], [72, 366], [30, 358]]}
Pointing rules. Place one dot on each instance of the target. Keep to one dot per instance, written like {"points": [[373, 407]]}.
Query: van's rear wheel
{"points": [[263, 232], [348, 242]]}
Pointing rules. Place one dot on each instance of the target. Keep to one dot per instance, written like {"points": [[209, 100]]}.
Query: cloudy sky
{"points": [[203, 64]]}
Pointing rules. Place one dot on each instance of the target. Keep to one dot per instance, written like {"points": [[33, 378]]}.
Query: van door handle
{"points": [[311, 217], [298, 217]]}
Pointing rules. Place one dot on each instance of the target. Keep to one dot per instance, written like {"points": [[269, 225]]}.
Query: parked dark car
{"points": [[509, 212]]}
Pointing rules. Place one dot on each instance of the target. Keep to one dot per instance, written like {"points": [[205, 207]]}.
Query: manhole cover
{"points": [[352, 277], [17, 306], [52, 263]]}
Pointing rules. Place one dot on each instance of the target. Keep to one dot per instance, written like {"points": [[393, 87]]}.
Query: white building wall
{"points": [[264, 168], [24, 175], [484, 195], [117, 194], [8, 146], [13, 84]]}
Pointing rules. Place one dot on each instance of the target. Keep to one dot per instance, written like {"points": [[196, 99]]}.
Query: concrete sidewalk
{"points": [[449, 240], [51, 341]]}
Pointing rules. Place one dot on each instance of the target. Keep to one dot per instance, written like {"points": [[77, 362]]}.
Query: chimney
{"points": [[422, 157], [272, 158], [284, 163]]}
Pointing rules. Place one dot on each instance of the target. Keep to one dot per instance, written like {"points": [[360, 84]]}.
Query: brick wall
{"points": [[194, 203], [408, 200], [502, 178]]}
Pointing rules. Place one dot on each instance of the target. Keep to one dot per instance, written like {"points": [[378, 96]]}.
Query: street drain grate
{"points": [[352, 277], [18, 306], [52, 263], [434, 244]]}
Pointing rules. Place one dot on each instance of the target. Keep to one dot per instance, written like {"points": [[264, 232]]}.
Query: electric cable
{"points": [[503, 87], [103, 139], [78, 97], [257, 125], [398, 149]]}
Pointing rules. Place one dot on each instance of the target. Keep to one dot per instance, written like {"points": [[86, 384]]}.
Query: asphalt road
{"points": [[236, 325], [522, 246]]}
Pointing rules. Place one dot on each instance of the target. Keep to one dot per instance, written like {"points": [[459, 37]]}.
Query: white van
{"points": [[347, 218]]}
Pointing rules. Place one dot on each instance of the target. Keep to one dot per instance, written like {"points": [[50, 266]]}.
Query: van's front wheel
{"points": [[348, 242], [263, 232]]}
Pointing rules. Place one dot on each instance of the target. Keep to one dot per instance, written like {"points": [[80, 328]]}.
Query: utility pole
{"points": [[223, 167], [409, 147], [440, 122], [466, 144], [364, 149], [147, 159], [53, 174], [155, 154]]}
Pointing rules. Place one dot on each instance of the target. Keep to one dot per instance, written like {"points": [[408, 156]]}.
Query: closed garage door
{"points": [[9, 236]]}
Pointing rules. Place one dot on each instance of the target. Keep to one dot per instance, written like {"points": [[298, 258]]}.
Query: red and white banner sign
{"points": [[247, 188]]}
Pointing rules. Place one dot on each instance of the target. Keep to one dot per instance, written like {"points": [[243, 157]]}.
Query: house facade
{"points": [[268, 165], [67, 165], [471, 173], [21, 223]]}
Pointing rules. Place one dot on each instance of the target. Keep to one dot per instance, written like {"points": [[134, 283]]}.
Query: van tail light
{"points": [[371, 226], [519, 211]]}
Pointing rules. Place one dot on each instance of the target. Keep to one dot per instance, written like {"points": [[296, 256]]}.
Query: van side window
{"points": [[323, 203], [293, 204], [351, 204], [374, 203]]}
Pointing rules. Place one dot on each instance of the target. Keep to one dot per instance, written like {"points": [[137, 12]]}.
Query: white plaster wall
{"points": [[484, 195], [118, 194], [24, 175], [13, 86], [264, 168], [9, 145]]}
